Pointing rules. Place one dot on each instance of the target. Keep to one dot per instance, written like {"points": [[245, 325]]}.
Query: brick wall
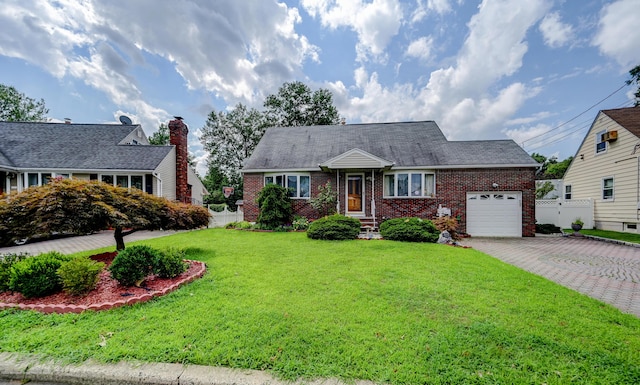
{"points": [[451, 191], [178, 132], [253, 183]]}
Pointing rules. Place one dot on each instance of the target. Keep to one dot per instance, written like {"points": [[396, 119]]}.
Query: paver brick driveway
{"points": [[605, 271]]}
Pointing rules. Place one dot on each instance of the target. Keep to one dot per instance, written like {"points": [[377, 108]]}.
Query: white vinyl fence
{"points": [[562, 212], [220, 219]]}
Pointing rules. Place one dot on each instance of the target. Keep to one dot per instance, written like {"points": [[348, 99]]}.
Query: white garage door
{"points": [[494, 214]]}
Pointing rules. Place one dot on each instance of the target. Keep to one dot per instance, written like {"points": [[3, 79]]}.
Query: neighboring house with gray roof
{"points": [[606, 169], [32, 153], [389, 170]]}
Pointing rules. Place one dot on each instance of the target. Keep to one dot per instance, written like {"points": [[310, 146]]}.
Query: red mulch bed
{"points": [[107, 294]]}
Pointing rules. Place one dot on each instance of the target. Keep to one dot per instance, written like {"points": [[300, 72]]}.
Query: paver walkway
{"points": [[72, 245], [605, 271]]}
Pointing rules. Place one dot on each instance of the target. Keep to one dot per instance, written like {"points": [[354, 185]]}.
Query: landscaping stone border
{"points": [[60, 309]]}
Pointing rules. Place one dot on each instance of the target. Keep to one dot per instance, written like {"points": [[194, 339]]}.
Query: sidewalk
{"points": [[22, 368]]}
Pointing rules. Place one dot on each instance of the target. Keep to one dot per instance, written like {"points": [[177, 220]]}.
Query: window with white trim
{"points": [[607, 188], [418, 184], [299, 185], [601, 144], [126, 180], [567, 192]]}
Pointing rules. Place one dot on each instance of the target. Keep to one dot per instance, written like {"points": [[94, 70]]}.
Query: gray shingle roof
{"points": [[74, 146], [408, 144]]}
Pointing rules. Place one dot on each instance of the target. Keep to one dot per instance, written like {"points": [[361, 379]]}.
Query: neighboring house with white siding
{"points": [[606, 168], [119, 154]]}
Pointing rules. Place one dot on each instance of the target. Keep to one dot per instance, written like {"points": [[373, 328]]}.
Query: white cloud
{"points": [[618, 35], [376, 22], [555, 33], [423, 9], [421, 48], [466, 99], [525, 133], [234, 49]]}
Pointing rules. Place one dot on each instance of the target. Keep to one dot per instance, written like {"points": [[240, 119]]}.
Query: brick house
{"points": [[390, 170], [120, 154]]}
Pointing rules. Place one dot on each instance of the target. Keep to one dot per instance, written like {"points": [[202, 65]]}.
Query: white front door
{"points": [[494, 214]]}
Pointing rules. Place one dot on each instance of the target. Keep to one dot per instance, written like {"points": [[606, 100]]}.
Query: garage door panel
{"points": [[494, 214]]}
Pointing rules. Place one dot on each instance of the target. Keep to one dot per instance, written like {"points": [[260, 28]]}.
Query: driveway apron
{"points": [[605, 271]]}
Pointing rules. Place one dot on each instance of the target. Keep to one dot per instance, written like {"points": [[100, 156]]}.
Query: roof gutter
{"points": [[396, 167]]}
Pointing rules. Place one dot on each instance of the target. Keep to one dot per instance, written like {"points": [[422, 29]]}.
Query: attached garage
{"points": [[494, 214]]}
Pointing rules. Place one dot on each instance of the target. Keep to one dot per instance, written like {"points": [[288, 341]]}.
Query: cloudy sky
{"points": [[533, 71]]}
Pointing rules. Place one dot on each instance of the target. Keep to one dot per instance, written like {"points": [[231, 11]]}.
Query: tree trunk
{"points": [[117, 234]]}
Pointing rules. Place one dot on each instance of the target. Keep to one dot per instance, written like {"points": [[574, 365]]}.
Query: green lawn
{"points": [[384, 311], [620, 236]]}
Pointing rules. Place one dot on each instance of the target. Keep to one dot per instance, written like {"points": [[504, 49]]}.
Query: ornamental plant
{"points": [[80, 275], [409, 230], [38, 276], [326, 200], [334, 227], [6, 261], [169, 263], [274, 205], [133, 264]]}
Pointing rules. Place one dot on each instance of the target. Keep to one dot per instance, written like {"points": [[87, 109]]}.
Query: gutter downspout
{"points": [[159, 192], [373, 197]]}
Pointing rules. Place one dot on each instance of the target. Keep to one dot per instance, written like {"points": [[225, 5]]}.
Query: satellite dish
{"points": [[125, 120]]}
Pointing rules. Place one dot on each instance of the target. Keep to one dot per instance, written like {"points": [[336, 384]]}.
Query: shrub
{"points": [[334, 227], [409, 230], [6, 261], [449, 224], [133, 264], [244, 225], [169, 263], [274, 205], [300, 223], [80, 275], [37, 276], [326, 200], [547, 228]]}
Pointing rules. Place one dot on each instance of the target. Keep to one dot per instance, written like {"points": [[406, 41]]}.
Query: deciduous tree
{"points": [[160, 137], [635, 78], [296, 105], [80, 207], [230, 138], [17, 107]]}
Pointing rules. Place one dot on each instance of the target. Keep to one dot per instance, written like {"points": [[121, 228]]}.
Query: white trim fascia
{"points": [[285, 170], [445, 167], [396, 168]]}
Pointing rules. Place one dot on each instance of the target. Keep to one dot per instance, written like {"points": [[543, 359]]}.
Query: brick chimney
{"points": [[178, 137]]}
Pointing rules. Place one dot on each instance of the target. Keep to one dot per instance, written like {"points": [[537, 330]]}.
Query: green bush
{"points": [[409, 230], [274, 205], [6, 261], [244, 225], [169, 263], [300, 223], [334, 227], [547, 228], [80, 275], [37, 276], [133, 264]]}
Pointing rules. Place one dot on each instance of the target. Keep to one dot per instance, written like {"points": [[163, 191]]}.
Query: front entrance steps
{"points": [[367, 222]]}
